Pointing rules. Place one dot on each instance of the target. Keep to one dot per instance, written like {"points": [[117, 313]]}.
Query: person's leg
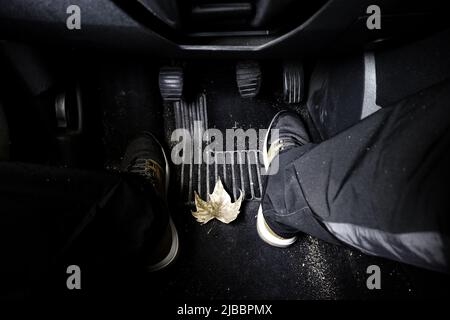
{"points": [[379, 186], [41, 209], [56, 217]]}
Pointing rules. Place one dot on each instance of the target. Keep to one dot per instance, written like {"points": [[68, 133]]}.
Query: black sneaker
{"points": [[291, 133], [146, 157]]}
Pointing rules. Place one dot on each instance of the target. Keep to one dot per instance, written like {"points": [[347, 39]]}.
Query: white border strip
{"points": [[370, 86]]}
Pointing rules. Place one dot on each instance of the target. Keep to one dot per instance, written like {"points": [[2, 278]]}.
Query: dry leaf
{"points": [[218, 206]]}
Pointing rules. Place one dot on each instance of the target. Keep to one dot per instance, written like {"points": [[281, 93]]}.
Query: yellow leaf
{"points": [[218, 206]]}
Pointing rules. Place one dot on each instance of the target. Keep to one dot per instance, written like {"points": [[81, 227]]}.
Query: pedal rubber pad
{"points": [[171, 81], [248, 78], [293, 82]]}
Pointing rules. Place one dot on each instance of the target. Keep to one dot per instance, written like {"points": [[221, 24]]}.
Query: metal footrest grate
{"points": [[240, 171]]}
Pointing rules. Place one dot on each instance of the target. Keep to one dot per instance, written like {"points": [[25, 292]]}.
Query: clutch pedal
{"points": [[171, 80]]}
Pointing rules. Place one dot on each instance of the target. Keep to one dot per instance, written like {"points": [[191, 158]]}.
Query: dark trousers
{"points": [[52, 218], [380, 186]]}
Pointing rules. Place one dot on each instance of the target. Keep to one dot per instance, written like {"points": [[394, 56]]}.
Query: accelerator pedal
{"points": [[293, 82]]}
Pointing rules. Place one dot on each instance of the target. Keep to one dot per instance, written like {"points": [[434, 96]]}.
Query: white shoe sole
{"points": [[173, 252], [268, 236], [174, 248]]}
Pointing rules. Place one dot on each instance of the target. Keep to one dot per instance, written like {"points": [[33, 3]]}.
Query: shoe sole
{"points": [[174, 248], [268, 236], [173, 252]]}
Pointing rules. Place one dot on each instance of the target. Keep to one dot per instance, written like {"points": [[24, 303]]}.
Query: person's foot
{"points": [[289, 132], [146, 157], [285, 131]]}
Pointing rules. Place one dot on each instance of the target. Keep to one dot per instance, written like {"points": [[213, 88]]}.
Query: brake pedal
{"points": [[248, 78], [293, 82], [171, 80]]}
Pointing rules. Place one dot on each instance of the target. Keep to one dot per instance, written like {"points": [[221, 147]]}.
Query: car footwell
{"points": [[229, 261]]}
